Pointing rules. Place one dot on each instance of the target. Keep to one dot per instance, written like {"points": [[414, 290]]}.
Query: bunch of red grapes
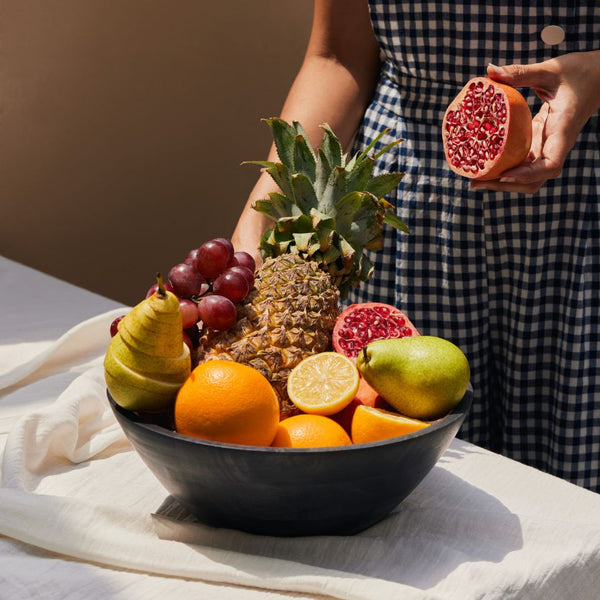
{"points": [[209, 283]]}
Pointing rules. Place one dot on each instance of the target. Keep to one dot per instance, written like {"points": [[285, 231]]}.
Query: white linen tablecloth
{"points": [[78, 506]]}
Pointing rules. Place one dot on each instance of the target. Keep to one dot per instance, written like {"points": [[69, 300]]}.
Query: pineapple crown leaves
{"points": [[330, 206]]}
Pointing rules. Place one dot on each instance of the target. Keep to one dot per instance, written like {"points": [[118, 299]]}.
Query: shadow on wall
{"points": [[123, 126]]}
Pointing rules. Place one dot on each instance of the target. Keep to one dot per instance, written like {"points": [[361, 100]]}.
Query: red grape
{"points": [[189, 312], [186, 281], [152, 289], [232, 285], [227, 243], [245, 271], [212, 258], [190, 257], [243, 259], [217, 312], [114, 326]]}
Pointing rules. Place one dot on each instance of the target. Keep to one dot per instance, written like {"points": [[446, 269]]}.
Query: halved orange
{"points": [[323, 383], [371, 424]]}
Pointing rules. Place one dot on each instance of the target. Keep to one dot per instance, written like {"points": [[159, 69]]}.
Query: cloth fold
{"points": [[75, 429], [478, 526], [77, 346]]}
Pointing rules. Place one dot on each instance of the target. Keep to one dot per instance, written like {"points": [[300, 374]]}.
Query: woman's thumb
{"points": [[536, 76]]}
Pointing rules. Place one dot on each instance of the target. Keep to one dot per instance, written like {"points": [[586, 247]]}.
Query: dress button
{"points": [[552, 35]]}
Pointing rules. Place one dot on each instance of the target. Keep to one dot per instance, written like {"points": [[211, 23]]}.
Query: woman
{"points": [[508, 269]]}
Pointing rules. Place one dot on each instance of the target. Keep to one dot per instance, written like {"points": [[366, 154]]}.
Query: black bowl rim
{"points": [[456, 414]]}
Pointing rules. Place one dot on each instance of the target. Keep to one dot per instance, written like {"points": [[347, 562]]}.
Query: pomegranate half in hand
{"points": [[486, 129]]}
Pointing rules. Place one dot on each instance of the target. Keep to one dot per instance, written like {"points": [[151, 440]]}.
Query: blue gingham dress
{"points": [[512, 279]]}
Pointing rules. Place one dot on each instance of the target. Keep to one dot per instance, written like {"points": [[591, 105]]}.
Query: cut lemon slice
{"points": [[371, 424], [323, 383]]}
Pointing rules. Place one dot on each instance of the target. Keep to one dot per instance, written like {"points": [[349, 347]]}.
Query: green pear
{"points": [[147, 360], [422, 377]]}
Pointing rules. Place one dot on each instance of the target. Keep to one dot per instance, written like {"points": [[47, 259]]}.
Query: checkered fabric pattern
{"points": [[513, 279]]}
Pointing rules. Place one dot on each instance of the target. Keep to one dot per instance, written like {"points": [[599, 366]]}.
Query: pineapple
{"points": [[328, 211], [289, 314]]}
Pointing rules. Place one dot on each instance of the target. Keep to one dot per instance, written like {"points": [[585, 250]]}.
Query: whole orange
{"points": [[310, 431], [225, 401]]}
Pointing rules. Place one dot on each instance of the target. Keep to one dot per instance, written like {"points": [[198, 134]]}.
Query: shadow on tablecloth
{"points": [[445, 524]]}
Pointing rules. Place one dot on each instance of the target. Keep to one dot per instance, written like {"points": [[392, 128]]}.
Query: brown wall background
{"points": [[123, 125]]}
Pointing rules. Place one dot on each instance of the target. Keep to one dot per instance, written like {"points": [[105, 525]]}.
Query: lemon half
{"points": [[323, 383]]}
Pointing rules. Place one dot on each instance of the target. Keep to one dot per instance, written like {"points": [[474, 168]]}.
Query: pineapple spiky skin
{"points": [[289, 315]]}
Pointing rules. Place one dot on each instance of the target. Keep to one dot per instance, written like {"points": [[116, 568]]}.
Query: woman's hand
{"points": [[569, 86]]}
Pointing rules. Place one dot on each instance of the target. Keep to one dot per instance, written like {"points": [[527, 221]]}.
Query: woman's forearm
{"points": [[334, 86]]}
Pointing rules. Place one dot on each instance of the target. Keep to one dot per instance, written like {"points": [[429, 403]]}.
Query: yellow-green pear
{"points": [[147, 360], [422, 377]]}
